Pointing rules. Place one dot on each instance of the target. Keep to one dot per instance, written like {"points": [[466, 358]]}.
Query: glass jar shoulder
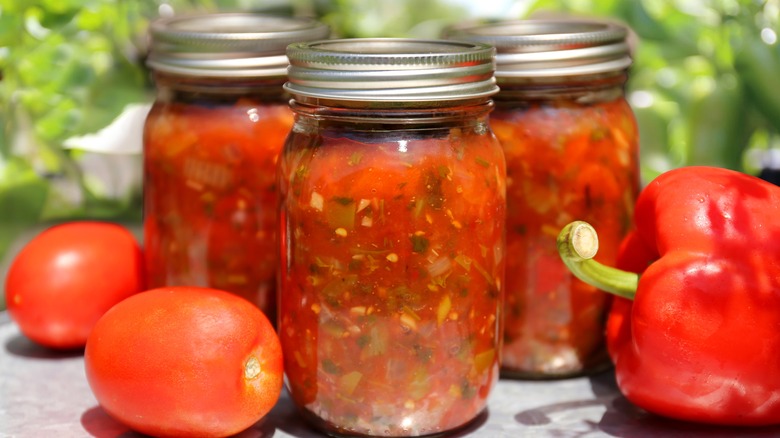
{"points": [[569, 115], [196, 116], [336, 157], [237, 130], [567, 130]]}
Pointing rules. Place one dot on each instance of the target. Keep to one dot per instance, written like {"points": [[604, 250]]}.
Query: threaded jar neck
{"points": [[550, 48], [391, 72], [227, 45]]}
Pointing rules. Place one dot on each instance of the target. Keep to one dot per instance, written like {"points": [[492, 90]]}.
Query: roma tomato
{"points": [[185, 362], [68, 276]]}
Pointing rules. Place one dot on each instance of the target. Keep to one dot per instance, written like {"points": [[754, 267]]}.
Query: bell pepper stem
{"points": [[578, 243]]}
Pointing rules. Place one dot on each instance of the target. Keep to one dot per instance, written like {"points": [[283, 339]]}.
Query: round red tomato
{"points": [[68, 276], [185, 362]]}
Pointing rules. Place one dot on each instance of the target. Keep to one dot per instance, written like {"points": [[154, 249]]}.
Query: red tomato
{"points": [[68, 276], [185, 362]]}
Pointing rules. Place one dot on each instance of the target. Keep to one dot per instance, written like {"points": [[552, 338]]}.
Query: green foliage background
{"points": [[704, 85]]}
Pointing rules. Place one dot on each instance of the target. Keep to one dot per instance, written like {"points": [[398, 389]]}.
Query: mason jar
{"points": [[392, 235], [571, 146], [211, 143]]}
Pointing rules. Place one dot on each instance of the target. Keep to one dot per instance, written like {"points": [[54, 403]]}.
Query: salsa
{"points": [[392, 276], [565, 161], [210, 215]]}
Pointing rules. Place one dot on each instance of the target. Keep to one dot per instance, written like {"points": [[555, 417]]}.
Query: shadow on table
{"points": [[623, 419], [99, 424], [20, 345], [286, 418], [472, 427], [283, 417]]}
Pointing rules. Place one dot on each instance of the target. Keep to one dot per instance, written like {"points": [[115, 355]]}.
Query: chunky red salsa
{"points": [[210, 198], [392, 277], [565, 161]]}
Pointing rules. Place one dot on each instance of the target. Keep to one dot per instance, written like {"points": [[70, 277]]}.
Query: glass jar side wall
{"points": [[572, 154], [210, 199], [392, 273]]}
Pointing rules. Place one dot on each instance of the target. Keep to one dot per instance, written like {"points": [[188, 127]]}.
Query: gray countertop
{"points": [[45, 394]]}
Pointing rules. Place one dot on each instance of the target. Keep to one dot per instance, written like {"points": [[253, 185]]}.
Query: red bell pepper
{"points": [[696, 334]]}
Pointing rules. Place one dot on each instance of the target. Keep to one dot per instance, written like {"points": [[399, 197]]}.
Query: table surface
{"points": [[45, 394]]}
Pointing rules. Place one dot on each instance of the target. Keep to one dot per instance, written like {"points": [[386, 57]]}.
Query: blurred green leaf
{"points": [[69, 67], [717, 125], [653, 138], [646, 26], [758, 65], [380, 18], [22, 199]]}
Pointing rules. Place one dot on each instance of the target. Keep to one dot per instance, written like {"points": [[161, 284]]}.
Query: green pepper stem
{"points": [[578, 243]]}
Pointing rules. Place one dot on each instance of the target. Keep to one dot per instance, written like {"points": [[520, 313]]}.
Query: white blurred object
{"points": [[495, 8], [112, 158], [122, 136], [110, 175]]}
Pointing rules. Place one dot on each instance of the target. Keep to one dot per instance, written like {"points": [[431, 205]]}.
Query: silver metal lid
{"points": [[228, 44], [391, 70], [549, 48]]}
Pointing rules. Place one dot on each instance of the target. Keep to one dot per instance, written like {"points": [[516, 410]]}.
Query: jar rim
{"points": [[549, 47], [391, 70], [228, 44]]}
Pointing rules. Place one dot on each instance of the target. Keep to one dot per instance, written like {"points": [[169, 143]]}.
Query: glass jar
{"points": [[571, 146], [392, 205], [211, 143]]}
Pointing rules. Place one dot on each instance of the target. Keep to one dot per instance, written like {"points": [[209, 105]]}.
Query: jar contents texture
{"points": [[565, 161], [212, 219], [391, 284]]}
